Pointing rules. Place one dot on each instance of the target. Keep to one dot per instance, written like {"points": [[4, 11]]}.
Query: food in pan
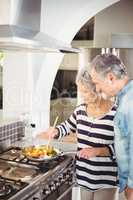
{"points": [[40, 151]]}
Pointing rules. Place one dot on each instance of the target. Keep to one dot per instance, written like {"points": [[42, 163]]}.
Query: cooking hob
{"points": [[22, 179], [15, 155], [9, 187]]}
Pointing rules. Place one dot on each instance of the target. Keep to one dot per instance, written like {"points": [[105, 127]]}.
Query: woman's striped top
{"points": [[96, 172]]}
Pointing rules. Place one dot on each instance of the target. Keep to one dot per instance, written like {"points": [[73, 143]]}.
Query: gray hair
{"points": [[84, 78], [105, 63]]}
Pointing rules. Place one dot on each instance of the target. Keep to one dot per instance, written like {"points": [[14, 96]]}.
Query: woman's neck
{"points": [[99, 108]]}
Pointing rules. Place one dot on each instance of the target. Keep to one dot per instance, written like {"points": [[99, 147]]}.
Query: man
{"points": [[110, 76]]}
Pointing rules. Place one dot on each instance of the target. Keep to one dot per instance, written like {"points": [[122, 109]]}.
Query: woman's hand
{"points": [[88, 152], [49, 133]]}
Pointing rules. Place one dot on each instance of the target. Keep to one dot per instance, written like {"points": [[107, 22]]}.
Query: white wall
{"points": [[118, 18], [1, 78], [17, 84], [70, 62], [1, 68], [61, 20]]}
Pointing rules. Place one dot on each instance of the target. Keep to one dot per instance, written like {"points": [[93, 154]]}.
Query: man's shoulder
{"points": [[129, 92], [126, 104], [129, 95], [127, 100]]}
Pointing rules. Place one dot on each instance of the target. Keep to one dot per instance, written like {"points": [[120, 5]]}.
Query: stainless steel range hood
{"points": [[20, 24], [115, 40], [113, 26], [121, 40]]}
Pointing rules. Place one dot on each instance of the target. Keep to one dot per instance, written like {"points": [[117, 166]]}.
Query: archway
{"points": [[62, 20]]}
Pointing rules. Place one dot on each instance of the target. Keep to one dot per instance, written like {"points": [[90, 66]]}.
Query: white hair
{"points": [[84, 77], [105, 63]]}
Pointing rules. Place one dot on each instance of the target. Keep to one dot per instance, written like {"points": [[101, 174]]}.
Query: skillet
{"points": [[37, 153]]}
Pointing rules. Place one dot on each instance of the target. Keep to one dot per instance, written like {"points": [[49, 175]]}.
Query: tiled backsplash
{"points": [[11, 133]]}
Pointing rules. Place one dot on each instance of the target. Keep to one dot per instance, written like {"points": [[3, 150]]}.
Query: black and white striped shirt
{"points": [[96, 172]]}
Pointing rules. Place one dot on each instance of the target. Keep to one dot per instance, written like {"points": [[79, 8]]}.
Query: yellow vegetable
{"points": [[40, 151]]}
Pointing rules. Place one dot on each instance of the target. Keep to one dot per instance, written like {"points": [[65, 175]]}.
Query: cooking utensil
{"points": [[49, 139], [47, 158]]}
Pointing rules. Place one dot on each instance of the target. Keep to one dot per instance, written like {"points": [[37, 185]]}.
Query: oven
{"points": [[57, 186]]}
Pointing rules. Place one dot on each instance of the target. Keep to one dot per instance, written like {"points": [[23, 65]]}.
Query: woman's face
{"points": [[89, 96]]}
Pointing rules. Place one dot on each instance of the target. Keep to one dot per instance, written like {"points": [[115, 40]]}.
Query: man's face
{"points": [[105, 86]]}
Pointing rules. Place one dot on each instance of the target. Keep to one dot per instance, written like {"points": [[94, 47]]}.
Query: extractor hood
{"points": [[113, 26], [20, 25], [115, 40], [121, 40]]}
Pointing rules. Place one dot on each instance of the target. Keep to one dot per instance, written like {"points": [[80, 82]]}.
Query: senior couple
{"points": [[104, 130]]}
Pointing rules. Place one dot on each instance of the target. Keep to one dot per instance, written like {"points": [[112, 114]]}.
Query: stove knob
{"points": [[64, 175], [60, 177], [46, 191], [70, 182], [67, 176], [70, 171], [63, 180], [57, 183], [52, 186]]}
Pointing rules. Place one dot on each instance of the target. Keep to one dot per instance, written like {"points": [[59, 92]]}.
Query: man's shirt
{"points": [[124, 135]]}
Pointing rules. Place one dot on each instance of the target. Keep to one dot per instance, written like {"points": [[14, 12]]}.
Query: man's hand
{"points": [[93, 152], [88, 152], [49, 133], [129, 193]]}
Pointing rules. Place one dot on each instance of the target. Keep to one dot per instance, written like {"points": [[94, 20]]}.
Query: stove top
{"points": [[20, 176], [14, 155], [9, 187]]}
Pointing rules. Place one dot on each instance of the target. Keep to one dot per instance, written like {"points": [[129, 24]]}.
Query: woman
{"points": [[96, 168]]}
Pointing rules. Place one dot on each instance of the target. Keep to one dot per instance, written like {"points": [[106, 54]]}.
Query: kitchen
{"points": [[24, 73]]}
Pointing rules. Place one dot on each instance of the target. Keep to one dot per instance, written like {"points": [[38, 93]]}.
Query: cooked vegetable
{"points": [[40, 151]]}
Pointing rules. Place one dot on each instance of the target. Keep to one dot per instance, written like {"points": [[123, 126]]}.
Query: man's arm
{"points": [[89, 152], [129, 187], [130, 140]]}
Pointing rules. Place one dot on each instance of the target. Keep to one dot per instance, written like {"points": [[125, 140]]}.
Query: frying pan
{"points": [[46, 157]]}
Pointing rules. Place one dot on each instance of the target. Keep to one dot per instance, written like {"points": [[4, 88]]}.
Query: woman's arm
{"points": [[70, 125], [63, 129]]}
